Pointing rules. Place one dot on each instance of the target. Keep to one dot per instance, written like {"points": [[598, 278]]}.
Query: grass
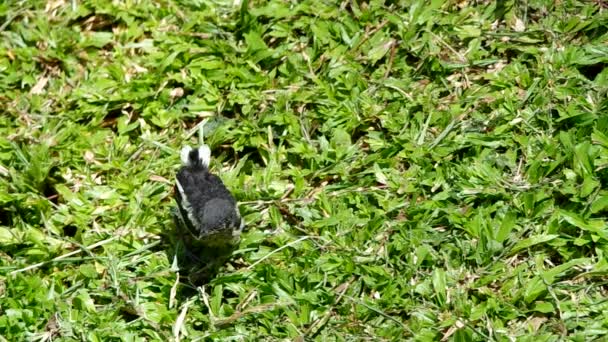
{"points": [[421, 170]]}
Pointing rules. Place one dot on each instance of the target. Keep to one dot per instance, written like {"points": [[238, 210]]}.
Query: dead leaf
{"points": [[37, 89], [519, 25], [177, 92], [536, 322], [89, 157], [3, 171], [457, 325], [160, 179]]}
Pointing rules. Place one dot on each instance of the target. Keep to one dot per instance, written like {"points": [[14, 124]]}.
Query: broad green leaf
{"points": [[506, 226], [599, 204], [543, 307], [596, 226], [532, 241], [534, 288], [83, 301], [440, 286]]}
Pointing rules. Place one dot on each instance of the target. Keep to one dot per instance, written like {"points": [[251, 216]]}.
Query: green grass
{"points": [[408, 170]]}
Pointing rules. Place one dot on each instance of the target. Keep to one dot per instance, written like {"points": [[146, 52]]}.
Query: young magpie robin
{"points": [[207, 210]]}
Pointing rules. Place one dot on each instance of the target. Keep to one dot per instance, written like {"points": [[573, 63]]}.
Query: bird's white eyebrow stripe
{"points": [[185, 155], [204, 154]]}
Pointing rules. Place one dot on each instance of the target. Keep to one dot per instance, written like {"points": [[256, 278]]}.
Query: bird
{"points": [[210, 223]]}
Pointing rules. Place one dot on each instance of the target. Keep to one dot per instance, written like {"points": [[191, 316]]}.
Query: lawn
{"points": [[408, 170]]}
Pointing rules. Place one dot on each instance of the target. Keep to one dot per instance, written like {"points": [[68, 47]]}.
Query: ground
{"points": [[423, 170]]}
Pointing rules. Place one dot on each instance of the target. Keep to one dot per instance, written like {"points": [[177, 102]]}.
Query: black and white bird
{"points": [[207, 210]]}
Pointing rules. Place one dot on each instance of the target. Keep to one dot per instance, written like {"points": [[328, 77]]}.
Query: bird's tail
{"points": [[199, 157]]}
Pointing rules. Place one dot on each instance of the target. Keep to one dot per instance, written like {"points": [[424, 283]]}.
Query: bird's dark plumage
{"points": [[207, 209]]}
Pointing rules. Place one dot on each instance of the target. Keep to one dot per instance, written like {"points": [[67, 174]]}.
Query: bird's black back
{"points": [[204, 201]]}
